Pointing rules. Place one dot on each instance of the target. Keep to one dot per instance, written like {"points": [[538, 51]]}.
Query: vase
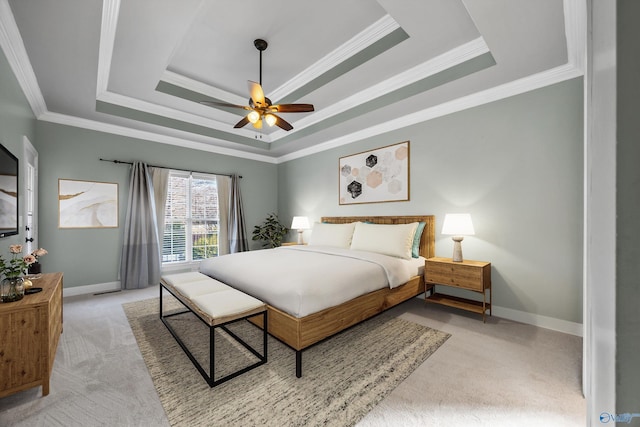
{"points": [[35, 268], [12, 289]]}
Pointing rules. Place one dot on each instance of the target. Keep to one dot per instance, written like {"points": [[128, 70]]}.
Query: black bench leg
{"points": [[298, 363]]}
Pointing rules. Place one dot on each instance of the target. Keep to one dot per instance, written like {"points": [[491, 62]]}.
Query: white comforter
{"points": [[302, 280]]}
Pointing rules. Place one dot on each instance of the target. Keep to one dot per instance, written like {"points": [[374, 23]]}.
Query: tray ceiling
{"points": [[139, 68]]}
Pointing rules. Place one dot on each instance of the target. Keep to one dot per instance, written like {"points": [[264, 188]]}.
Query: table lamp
{"points": [[457, 225], [300, 223]]}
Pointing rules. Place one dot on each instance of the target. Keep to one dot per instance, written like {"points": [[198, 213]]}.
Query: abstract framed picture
{"points": [[87, 204], [375, 176]]}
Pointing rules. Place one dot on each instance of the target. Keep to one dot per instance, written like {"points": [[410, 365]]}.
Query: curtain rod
{"points": [[164, 167]]}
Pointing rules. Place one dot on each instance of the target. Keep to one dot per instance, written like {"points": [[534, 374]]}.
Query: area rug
{"points": [[343, 377]]}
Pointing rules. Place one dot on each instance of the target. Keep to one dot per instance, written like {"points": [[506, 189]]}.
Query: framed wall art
{"points": [[87, 204], [374, 176]]}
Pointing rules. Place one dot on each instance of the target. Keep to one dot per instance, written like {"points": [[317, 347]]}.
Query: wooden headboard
{"points": [[427, 241]]}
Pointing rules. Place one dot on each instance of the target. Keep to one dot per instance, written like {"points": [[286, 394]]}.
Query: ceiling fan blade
{"points": [[257, 94], [242, 122], [294, 108], [223, 104], [282, 123]]}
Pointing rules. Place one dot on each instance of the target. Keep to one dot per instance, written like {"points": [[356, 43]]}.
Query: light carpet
{"points": [[343, 378]]}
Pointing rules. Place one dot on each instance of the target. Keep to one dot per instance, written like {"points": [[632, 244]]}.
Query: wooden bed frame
{"points": [[301, 333]]}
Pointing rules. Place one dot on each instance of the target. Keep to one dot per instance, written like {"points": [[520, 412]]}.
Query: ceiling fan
{"points": [[260, 107]]}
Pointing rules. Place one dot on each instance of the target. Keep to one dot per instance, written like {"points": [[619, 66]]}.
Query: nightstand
{"points": [[292, 244], [474, 276]]}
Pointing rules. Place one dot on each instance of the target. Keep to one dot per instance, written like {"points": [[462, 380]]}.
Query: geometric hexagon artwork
{"points": [[374, 179], [394, 186], [372, 161], [355, 189], [379, 175]]}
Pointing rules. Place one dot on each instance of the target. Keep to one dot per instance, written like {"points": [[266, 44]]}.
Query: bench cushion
{"points": [[215, 301], [191, 276], [192, 284], [227, 305], [200, 287]]}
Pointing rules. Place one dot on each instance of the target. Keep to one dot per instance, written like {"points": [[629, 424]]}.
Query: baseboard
{"points": [[564, 326], [546, 322], [115, 286], [91, 289]]}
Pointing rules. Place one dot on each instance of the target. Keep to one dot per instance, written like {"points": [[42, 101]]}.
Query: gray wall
{"points": [[628, 209], [16, 121], [91, 256], [515, 165], [518, 171]]}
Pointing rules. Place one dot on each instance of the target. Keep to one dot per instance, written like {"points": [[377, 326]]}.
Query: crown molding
{"points": [[516, 87], [374, 32], [13, 47], [63, 119], [575, 24], [435, 65], [109, 24], [203, 88], [171, 113]]}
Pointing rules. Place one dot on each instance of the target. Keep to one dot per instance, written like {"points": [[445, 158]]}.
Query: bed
{"points": [[308, 325]]}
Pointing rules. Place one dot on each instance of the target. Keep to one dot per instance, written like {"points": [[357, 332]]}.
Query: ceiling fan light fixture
{"points": [[253, 117], [270, 119], [260, 107]]}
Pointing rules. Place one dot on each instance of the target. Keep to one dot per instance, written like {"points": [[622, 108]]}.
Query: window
{"points": [[191, 218]]}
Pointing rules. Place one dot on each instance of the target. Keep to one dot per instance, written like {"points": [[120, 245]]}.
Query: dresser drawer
{"points": [[461, 276]]}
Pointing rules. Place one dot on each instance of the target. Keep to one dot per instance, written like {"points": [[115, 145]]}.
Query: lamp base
{"points": [[457, 248], [300, 242]]}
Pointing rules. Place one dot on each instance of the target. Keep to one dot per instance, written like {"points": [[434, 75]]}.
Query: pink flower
{"points": [[39, 252], [15, 249], [29, 259]]}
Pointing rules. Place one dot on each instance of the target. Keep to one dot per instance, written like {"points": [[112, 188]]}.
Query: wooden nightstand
{"points": [[469, 275], [292, 244]]}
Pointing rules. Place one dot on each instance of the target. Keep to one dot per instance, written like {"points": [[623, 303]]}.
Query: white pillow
{"points": [[389, 239], [332, 234]]}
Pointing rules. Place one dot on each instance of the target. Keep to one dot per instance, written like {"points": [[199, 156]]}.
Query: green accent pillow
{"points": [[415, 249]]}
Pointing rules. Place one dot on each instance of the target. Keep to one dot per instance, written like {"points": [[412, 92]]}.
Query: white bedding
{"points": [[302, 280]]}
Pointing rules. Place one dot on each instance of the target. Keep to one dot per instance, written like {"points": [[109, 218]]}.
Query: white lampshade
{"points": [[458, 225], [300, 223]]}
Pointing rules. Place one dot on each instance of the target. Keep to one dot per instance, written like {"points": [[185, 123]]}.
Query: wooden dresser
{"points": [[29, 334]]}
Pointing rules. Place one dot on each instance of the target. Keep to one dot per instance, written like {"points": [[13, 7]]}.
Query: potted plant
{"points": [[271, 232], [12, 286], [36, 267]]}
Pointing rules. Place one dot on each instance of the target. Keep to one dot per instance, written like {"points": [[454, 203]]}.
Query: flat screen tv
{"points": [[8, 193]]}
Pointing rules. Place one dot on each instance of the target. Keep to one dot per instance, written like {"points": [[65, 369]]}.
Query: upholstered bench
{"points": [[217, 305]]}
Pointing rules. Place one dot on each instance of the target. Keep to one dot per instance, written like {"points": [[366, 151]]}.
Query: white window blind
{"points": [[191, 218]]}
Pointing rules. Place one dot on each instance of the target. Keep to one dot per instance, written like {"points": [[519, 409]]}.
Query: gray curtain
{"points": [[237, 233], [223, 183], [160, 182], [140, 262]]}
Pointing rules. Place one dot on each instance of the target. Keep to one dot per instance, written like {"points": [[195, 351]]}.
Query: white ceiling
{"points": [[138, 67]]}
